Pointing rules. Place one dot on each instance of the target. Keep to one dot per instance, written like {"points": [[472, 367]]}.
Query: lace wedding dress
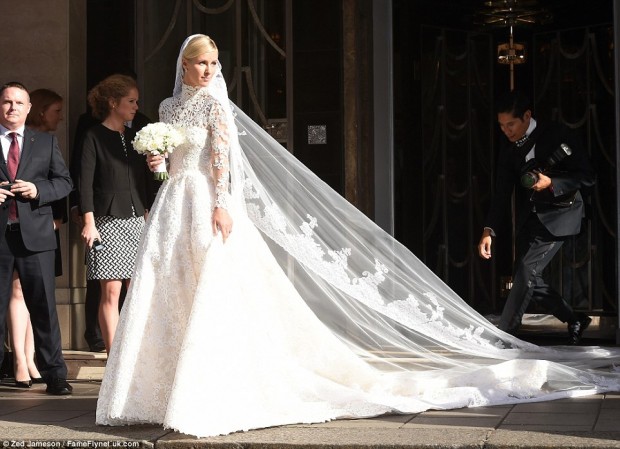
{"points": [[213, 337], [309, 312]]}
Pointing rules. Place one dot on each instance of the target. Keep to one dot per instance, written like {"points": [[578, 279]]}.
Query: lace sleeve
{"points": [[220, 148]]}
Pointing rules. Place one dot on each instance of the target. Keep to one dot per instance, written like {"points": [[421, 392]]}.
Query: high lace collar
{"points": [[188, 92]]}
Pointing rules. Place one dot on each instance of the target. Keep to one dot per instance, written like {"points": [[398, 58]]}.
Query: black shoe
{"points": [[38, 380], [23, 383], [98, 346], [58, 387], [576, 328]]}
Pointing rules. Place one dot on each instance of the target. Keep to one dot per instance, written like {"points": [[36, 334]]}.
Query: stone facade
{"points": [[43, 45]]}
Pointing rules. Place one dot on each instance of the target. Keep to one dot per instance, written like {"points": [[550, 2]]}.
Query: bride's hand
{"points": [[221, 221], [154, 160]]}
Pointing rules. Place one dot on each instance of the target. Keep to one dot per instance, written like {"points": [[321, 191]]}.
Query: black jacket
{"points": [[571, 174], [85, 122], [110, 180]]}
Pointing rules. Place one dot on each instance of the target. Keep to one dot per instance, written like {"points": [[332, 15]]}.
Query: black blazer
{"points": [[571, 174], [42, 164], [110, 181]]}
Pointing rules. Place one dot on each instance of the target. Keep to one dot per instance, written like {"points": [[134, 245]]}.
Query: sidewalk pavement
{"points": [[31, 418]]}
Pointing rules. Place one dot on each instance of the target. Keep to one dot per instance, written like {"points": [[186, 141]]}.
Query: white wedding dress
{"points": [[213, 337], [272, 327]]}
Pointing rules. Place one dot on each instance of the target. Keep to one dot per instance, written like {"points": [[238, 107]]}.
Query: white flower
{"points": [[157, 138]]}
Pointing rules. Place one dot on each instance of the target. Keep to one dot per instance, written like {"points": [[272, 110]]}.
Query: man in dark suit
{"points": [[548, 207], [32, 162]]}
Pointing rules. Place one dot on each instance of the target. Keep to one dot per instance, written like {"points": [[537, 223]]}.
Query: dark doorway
{"points": [[110, 39], [446, 79]]}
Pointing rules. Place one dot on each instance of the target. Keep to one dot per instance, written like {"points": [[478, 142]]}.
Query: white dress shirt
{"points": [[6, 140]]}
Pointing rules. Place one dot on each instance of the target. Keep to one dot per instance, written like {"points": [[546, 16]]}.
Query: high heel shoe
{"points": [[38, 380], [23, 383]]}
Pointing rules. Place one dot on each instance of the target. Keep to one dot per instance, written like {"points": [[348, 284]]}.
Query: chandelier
{"points": [[509, 14]]}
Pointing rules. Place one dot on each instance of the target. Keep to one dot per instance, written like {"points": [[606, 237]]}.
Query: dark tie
{"points": [[12, 164]]}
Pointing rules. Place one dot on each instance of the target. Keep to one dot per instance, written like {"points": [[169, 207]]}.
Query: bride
{"points": [[261, 297]]}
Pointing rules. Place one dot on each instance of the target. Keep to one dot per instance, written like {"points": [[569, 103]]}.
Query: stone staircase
{"points": [[83, 365]]}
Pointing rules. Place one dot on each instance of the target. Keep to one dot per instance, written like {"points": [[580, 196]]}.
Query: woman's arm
{"points": [[86, 179], [220, 149], [87, 174], [89, 231]]}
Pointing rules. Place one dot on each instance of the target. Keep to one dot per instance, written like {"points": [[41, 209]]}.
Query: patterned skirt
{"points": [[120, 238]]}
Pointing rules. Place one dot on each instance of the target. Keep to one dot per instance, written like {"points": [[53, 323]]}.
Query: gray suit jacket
{"points": [[42, 164]]}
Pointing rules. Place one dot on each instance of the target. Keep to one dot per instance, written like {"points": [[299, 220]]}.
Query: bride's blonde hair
{"points": [[199, 45]]}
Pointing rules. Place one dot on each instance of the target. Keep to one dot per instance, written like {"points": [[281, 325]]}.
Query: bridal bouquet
{"points": [[158, 138]]}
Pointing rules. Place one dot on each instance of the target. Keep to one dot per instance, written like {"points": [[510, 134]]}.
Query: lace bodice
{"points": [[207, 147]]}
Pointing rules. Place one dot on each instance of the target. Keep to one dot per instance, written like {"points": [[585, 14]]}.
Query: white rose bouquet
{"points": [[158, 138]]}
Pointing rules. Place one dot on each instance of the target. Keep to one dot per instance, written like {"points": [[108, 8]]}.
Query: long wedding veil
{"points": [[378, 297]]}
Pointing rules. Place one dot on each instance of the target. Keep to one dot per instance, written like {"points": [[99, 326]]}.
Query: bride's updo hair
{"points": [[114, 87], [199, 45]]}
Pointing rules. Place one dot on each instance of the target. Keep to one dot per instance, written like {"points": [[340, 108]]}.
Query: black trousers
{"points": [[535, 248], [36, 273]]}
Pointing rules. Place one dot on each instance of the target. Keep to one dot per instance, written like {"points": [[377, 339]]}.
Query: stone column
{"points": [[358, 104], [43, 45]]}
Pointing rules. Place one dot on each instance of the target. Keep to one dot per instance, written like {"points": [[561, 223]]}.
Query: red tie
{"points": [[11, 165]]}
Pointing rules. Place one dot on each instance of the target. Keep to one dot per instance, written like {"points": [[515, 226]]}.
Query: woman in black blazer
{"points": [[116, 190]]}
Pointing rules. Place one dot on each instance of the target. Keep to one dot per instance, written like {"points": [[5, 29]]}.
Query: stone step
{"points": [[81, 365], [84, 365]]}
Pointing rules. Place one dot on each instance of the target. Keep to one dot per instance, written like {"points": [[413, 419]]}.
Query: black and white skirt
{"points": [[120, 237]]}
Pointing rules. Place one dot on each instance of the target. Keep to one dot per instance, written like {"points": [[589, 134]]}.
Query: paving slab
{"points": [[31, 418], [515, 439], [341, 438]]}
